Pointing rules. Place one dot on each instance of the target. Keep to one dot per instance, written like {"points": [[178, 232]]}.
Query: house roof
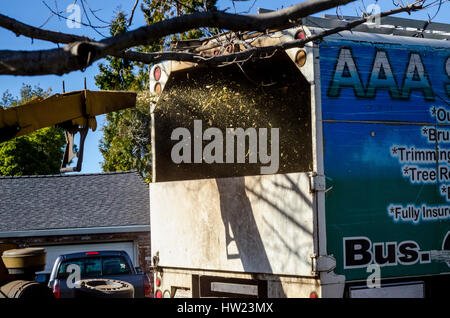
{"points": [[73, 201]]}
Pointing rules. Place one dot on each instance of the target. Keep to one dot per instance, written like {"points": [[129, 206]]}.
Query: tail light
{"points": [[56, 290], [313, 295], [147, 289], [300, 35], [157, 73], [158, 294], [92, 253]]}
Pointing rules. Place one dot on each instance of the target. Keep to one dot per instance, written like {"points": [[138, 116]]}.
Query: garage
{"points": [[78, 213]]}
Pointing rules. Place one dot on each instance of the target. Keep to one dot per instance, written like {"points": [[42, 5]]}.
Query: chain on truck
{"points": [[347, 213]]}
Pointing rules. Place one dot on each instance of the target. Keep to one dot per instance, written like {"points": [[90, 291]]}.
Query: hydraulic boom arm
{"points": [[74, 112]]}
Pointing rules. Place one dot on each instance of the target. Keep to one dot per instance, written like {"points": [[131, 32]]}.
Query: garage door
{"points": [[55, 250]]}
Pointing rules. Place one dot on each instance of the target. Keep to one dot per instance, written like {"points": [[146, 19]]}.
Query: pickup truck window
{"points": [[62, 272], [92, 267], [115, 265], [97, 266]]}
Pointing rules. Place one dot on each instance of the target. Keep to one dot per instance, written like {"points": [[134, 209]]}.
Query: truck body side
{"points": [[385, 157]]}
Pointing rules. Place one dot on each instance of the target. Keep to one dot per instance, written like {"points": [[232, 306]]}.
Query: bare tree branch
{"points": [[95, 15], [20, 28], [59, 15], [89, 21], [223, 20], [253, 52], [130, 21], [82, 53]]}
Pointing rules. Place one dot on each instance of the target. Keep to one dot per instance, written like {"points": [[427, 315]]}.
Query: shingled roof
{"points": [[73, 201]]}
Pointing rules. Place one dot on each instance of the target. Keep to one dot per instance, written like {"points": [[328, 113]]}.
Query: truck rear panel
{"points": [[259, 224], [229, 220]]}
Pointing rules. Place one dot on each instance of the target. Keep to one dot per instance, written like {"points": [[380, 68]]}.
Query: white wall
{"points": [[260, 224]]}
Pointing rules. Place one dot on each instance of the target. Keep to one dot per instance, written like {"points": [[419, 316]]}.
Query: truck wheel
{"points": [[103, 288], [25, 290]]}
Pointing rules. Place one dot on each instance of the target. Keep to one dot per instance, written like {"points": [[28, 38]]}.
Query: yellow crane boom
{"points": [[79, 107], [74, 112]]}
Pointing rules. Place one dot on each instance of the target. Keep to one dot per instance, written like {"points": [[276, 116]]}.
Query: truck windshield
{"points": [[259, 95], [96, 266]]}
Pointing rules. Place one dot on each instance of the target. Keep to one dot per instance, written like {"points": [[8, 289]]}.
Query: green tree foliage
{"points": [[158, 10], [37, 153], [126, 141], [120, 74], [126, 134]]}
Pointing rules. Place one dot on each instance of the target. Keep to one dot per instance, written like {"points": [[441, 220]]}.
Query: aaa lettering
{"points": [[415, 78]]}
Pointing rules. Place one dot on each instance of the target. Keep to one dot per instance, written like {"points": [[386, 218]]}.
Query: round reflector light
{"points": [[157, 88], [157, 73], [300, 58], [300, 35]]}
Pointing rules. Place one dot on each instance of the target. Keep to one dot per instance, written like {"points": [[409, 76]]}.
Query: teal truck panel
{"points": [[386, 126]]}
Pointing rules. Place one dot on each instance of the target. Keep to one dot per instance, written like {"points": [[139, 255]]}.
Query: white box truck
{"points": [[320, 171]]}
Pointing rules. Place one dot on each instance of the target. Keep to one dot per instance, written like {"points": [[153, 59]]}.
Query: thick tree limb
{"points": [[79, 55], [221, 20]]}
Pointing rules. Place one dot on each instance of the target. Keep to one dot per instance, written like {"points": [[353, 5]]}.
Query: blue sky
{"points": [[35, 13]]}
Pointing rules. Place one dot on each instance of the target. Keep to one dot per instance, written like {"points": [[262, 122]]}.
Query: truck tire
{"points": [[103, 288], [25, 290]]}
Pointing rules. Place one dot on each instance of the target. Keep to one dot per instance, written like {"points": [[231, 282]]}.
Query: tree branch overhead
{"points": [[80, 52]]}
